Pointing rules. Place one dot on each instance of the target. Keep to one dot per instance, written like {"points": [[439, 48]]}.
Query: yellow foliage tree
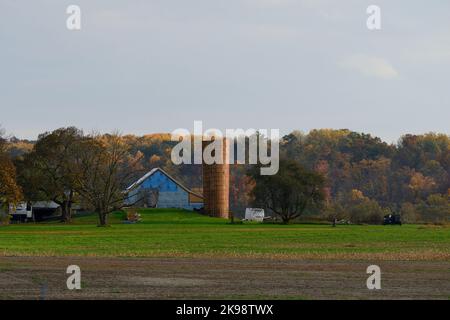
{"points": [[10, 192]]}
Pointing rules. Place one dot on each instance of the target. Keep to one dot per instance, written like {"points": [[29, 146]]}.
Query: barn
{"points": [[157, 189]]}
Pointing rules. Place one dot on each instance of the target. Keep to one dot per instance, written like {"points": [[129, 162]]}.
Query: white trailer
{"points": [[254, 214], [23, 211]]}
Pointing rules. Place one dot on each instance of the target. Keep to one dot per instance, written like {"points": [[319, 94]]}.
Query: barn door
{"points": [[153, 197]]}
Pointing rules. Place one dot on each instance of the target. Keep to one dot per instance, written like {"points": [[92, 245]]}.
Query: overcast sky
{"points": [[143, 66]]}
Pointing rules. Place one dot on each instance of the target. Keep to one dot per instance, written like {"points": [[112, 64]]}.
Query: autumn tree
{"points": [[10, 192], [290, 192], [101, 172], [421, 185], [372, 178]]}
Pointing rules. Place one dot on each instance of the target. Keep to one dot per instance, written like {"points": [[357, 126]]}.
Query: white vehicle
{"points": [[254, 214], [23, 211]]}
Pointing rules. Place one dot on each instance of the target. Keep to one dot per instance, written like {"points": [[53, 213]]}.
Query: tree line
{"points": [[367, 178], [346, 175], [67, 167]]}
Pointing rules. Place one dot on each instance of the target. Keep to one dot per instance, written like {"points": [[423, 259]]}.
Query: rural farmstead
{"points": [[240, 152]]}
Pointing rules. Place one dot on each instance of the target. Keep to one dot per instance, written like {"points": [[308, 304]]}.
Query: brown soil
{"points": [[219, 278]]}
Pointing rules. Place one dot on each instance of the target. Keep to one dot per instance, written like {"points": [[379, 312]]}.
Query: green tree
{"points": [[290, 192], [45, 172]]}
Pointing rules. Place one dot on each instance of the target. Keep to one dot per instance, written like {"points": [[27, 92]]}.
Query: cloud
{"points": [[369, 66]]}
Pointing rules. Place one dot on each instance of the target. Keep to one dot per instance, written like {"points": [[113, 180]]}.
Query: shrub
{"points": [[435, 209], [409, 213], [368, 211], [334, 210], [361, 209]]}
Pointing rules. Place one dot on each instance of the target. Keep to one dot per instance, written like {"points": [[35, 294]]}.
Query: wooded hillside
{"points": [[365, 177]]}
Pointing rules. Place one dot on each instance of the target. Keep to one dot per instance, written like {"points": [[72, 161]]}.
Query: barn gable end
{"points": [[158, 188]]}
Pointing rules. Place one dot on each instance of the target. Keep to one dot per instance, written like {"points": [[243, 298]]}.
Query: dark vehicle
{"points": [[392, 219]]}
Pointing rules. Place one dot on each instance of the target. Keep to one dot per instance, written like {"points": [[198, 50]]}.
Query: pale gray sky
{"points": [[144, 66]]}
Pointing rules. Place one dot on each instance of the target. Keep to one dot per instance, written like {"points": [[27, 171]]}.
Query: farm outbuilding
{"points": [[157, 189], [33, 211]]}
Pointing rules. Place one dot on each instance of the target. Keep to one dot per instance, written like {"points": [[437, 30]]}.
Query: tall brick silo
{"points": [[216, 184]]}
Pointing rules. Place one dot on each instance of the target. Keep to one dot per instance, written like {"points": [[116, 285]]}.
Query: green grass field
{"points": [[175, 233]]}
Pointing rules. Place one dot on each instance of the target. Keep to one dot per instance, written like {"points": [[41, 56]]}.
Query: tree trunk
{"points": [[103, 219], [66, 214]]}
